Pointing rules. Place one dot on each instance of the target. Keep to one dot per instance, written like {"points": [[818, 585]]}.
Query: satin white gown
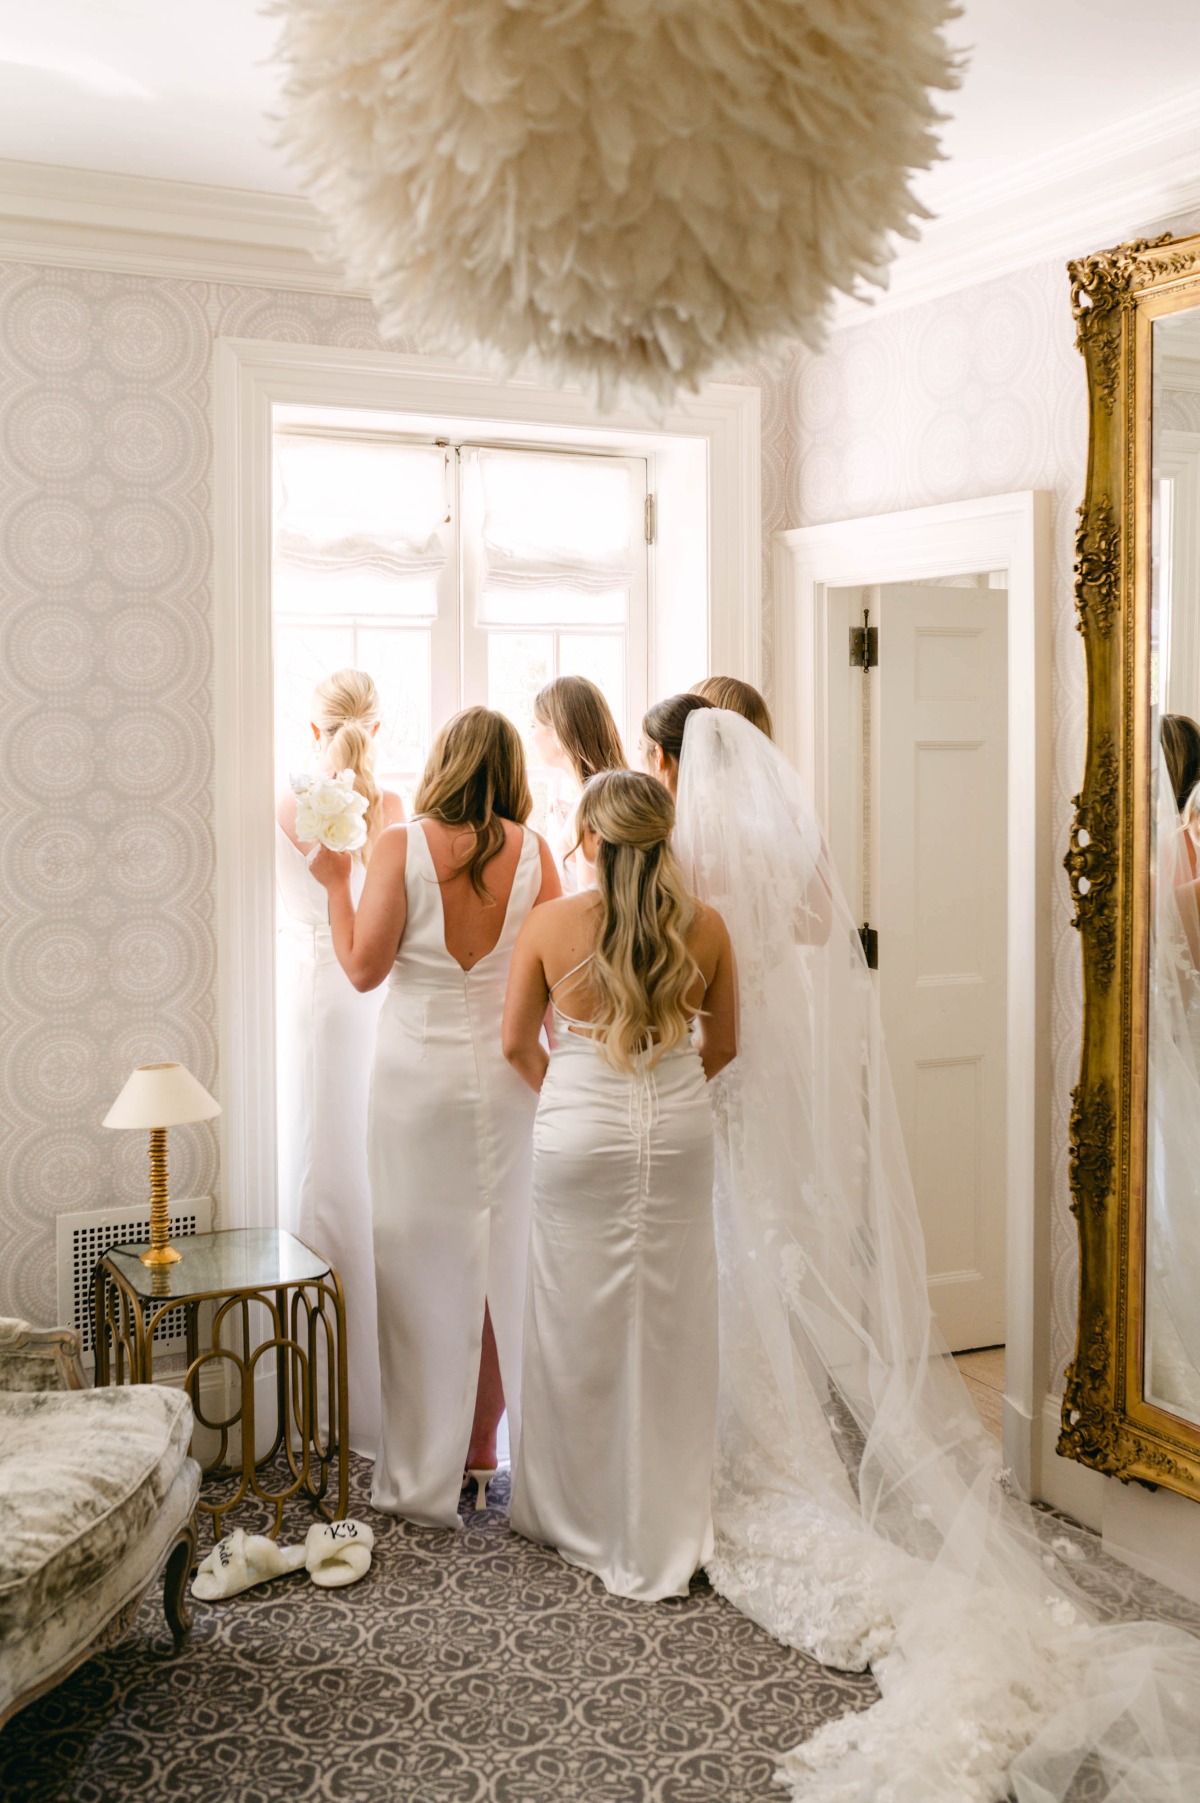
{"points": [[449, 1151], [619, 1385], [326, 1045]]}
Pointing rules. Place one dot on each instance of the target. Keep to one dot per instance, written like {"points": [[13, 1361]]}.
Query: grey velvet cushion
{"points": [[83, 1475]]}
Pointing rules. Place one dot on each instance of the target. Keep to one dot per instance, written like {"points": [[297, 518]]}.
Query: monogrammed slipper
{"points": [[338, 1552], [241, 1561]]}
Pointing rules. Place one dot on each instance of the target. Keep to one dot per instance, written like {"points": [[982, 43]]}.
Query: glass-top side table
{"points": [[269, 1294]]}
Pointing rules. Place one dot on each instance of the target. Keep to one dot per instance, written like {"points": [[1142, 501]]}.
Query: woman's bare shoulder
{"points": [[708, 928], [391, 847]]}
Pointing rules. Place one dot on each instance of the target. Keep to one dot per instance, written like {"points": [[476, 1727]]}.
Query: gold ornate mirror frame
{"points": [[1106, 1421]]}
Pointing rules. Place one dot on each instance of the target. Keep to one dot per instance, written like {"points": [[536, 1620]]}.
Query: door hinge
{"points": [[864, 645], [651, 519], [870, 945]]}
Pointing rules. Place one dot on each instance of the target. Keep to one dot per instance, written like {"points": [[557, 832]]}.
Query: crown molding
{"points": [[1121, 181], [143, 225]]}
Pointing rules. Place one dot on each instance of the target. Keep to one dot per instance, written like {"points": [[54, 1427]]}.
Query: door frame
{"points": [[1009, 532], [707, 454]]}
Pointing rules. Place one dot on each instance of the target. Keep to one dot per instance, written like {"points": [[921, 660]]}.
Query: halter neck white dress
{"points": [[326, 1044], [619, 1382], [449, 1151]]}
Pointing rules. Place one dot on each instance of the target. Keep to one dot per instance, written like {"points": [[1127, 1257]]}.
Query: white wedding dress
{"points": [[860, 1511], [1173, 1179], [325, 1047], [450, 1137], [619, 1387]]}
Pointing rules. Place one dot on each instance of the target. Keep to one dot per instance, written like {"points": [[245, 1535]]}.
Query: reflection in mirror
{"points": [[1172, 1297]]}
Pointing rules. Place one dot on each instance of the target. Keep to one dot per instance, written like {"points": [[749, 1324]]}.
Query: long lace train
{"points": [[904, 1550]]}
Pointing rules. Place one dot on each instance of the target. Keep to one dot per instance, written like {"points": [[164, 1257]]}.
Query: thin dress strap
{"points": [[570, 1020]]}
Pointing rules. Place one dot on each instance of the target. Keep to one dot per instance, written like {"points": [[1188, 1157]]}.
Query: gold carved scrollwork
{"points": [[1090, 862], [1093, 1147], [1097, 566], [1100, 286]]}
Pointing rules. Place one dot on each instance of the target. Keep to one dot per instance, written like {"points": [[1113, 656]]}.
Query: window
{"points": [[454, 574]]}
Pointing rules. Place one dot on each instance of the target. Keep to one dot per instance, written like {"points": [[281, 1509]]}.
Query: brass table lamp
{"points": [[158, 1096]]}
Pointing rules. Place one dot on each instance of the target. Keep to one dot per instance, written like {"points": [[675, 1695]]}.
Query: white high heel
{"points": [[482, 1480]]}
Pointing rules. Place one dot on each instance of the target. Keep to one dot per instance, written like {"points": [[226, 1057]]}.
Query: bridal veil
{"points": [[860, 1509]]}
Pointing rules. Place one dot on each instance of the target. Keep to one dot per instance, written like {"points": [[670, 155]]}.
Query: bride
{"points": [[859, 1508]]}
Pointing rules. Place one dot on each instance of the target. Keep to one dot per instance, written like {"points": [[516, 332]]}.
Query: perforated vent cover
{"points": [[82, 1239]]}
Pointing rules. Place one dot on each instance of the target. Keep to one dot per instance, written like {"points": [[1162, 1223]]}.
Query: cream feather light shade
{"points": [[633, 193]]}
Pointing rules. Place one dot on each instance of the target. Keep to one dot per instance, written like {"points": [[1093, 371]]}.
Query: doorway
{"points": [[1009, 533], [918, 757]]}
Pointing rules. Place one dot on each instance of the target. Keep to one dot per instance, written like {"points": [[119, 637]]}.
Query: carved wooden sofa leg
{"points": [[175, 1584]]}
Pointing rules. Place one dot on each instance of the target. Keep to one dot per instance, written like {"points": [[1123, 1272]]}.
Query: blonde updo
{"points": [[641, 970], [345, 709]]}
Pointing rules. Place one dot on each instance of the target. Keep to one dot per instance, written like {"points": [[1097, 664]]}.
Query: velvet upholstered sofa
{"points": [[97, 1494]]}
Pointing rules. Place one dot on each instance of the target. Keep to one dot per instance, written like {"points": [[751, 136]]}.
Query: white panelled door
{"points": [[940, 901]]}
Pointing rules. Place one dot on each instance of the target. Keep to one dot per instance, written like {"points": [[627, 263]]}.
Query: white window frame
{"points": [[634, 634], [704, 615]]}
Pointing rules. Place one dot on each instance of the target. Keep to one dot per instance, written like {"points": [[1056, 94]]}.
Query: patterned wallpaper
{"points": [[107, 904]]}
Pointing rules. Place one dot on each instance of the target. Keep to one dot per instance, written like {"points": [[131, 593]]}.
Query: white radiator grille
{"points": [[83, 1239]]}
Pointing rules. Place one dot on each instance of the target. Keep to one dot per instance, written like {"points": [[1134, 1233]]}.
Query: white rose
{"points": [[346, 832], [330, 797]]}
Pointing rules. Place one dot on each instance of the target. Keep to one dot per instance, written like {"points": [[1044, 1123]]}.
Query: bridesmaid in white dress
{"points": [[326, 1043], [574, 733], [450, 1130], [619, 1386]]}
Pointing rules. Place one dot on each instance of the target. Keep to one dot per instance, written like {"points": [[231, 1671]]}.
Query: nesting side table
{"points": [[270, 1294]]}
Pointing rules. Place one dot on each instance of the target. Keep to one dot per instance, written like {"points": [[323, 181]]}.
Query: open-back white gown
{"points": [[449, 1150], [325, 1048], [619, 1386]]}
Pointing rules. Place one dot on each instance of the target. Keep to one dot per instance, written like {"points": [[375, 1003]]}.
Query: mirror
{"points": [[1132, 1401], [1171, 1351]]}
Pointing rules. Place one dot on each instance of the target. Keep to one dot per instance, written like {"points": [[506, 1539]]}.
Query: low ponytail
{"points": [[346, 708]]}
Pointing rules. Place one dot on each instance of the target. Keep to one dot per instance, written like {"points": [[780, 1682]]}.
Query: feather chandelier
{"points": [[634, 194]]}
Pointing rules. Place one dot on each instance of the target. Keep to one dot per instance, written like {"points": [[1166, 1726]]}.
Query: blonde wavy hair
{"points": [[346, 708], [474, 780], [641, 970], [737, 697]]}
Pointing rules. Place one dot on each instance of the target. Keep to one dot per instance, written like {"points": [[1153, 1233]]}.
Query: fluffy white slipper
{"points": [[338, 1552], [240, 1561]]}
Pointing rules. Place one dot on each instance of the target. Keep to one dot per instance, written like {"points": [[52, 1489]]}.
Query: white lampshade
{"points": [[161, 1095]]}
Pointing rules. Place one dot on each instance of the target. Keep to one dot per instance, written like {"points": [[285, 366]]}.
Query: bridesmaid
{"points": [[326, 1041], [619, 1383], [573, 732], [449, 1143], [736, 697]]}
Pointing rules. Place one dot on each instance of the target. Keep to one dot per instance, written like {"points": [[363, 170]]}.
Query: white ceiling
{"points": [[185, 90]]}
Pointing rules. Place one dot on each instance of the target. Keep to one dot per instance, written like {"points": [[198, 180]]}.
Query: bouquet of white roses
{"points": [[330, 810]]}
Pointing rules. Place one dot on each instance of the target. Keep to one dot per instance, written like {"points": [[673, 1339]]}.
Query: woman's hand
{"points": [[331, 868]]}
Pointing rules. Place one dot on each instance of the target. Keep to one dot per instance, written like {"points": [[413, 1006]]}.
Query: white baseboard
{"points": [[1021, 1444], [1063, 1483]]}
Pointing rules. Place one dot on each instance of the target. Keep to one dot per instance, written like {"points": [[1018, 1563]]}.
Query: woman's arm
{"points": [[525, 1006], [716, 1035], [551, 887], [366, 943]]}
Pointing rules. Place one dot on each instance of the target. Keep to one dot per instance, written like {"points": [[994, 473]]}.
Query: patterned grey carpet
{"points": [[468, 1668]]}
